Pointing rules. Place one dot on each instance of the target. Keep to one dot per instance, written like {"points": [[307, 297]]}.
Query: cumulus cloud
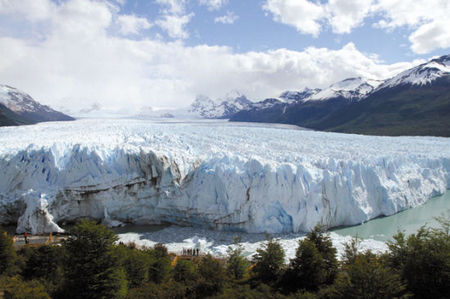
{"points": [[427, 20], [80, 63], [229, 18], [175, 25], [344, 15], [174, 18], [131, 24], [304, 15], [431, 36], [213, 4]]}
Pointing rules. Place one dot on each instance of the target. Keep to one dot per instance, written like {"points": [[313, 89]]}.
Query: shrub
{"points": [[423, 260], [8, 256], [269, 261]]}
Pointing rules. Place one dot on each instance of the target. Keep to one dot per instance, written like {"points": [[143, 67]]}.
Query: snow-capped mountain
{"points": [[307, 106], [26, 108], [296, 96], [415, 102], [352, 89], [221, 108], [422, 74]]}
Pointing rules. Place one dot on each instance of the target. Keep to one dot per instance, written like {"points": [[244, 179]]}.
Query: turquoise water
{"points": [[409, 221]]}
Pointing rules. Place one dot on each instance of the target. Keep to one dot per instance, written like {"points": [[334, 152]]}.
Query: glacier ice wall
{"points": [[214, 174]]}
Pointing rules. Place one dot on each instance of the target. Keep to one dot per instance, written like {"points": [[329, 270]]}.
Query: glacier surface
{"points": [[215, 174]]}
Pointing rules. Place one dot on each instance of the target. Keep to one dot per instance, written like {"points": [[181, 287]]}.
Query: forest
{"points": [[91, 263]]}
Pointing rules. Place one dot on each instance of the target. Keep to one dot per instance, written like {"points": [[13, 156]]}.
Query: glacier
{"points": [[214, 174]]}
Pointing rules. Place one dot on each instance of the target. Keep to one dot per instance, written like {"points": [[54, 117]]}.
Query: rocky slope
{"points": [[19, 108]]}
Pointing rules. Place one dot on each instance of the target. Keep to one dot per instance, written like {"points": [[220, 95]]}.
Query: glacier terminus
{"points": [[210, 173]]}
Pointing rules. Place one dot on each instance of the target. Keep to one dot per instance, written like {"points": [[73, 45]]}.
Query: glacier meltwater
{"points": [[211, 174]]}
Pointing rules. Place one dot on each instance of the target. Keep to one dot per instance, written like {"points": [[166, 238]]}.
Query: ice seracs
{"points": [[212, 174]]}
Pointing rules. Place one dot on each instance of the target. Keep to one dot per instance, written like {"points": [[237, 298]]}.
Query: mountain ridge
{"points": [[19, 108], [414, 102]]}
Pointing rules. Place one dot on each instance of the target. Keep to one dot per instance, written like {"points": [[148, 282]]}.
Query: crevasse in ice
{"points": [[245, 177]]}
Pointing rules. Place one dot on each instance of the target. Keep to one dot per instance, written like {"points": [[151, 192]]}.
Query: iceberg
{"points": [[226, 176]]}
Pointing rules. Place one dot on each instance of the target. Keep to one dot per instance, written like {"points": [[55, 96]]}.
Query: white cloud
{"points": [[32, 10], [229, 18], [304, 15], [174, 18], [431, 36], [213, 4], [428, 20], [344, 15], [172, 6], [131, 24], [175, 25], [310, 17], [81, 63]]}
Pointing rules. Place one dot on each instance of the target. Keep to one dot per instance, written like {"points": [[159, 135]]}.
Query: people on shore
{"points": [[191, 251]]}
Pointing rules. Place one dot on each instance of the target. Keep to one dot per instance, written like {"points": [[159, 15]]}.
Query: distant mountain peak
{"points": [[295, 96], [221, 108], [25, 108], [19, 101], [422, 74], [351, 88]]}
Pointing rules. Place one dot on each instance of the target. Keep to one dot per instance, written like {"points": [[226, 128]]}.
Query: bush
{"points": [[184, 271], [367, 276], [237, 265], [307, 270], [322, 241], [269, 261], [16, 288], [423, 260], [136, 264], [212, 277], [8, 255]]}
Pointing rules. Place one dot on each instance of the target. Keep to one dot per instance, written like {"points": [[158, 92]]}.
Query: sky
{"points": [[123, 56]]}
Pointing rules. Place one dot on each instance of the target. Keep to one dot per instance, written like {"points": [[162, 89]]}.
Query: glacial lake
{"points": [[373, 233], [408, 221]]}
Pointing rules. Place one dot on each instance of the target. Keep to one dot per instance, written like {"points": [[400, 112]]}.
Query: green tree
{"points": [[91, 267], [135, 262], [307, 270], [184, 271], [15, 288], [237, 265], [269, 261], [159, 269], [8, 256], [212, 277], [367, 276], [322, 241], [423, 260], [45, 263]]}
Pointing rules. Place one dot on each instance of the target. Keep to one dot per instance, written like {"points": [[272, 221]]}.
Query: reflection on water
{"points": [[409, 221]]}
